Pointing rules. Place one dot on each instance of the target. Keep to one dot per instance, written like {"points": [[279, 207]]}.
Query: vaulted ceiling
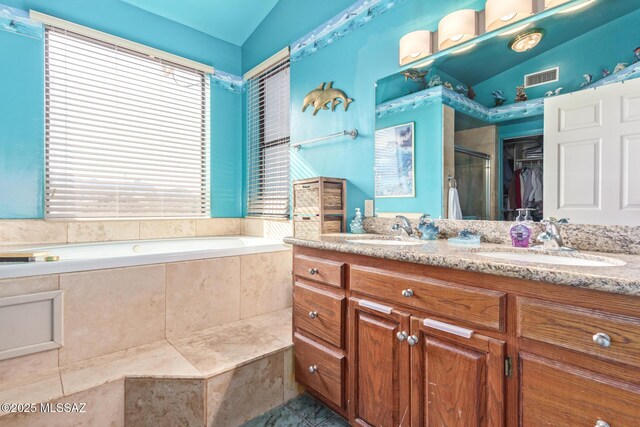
{"points": [[229, 20]]}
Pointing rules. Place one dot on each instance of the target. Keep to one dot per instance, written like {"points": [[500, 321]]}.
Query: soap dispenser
{"points": [[356, 225], [520, 233]]}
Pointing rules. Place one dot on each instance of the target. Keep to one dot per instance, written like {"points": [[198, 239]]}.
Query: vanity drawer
{"points": [[319, 369], [319, 313], [320, 270], [481, 307], [575, 328], [560, 395]]}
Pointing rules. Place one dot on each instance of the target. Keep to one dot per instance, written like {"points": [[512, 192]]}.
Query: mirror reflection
{"points": [[524, 120]]}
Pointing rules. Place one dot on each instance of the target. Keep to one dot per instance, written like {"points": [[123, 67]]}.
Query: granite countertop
{"points": [[622, 278]]}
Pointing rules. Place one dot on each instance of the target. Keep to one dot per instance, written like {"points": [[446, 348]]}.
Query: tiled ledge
{"points": [[202, 355]]}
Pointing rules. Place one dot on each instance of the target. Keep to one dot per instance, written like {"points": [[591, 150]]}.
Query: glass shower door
{"points": [[472, 173]]}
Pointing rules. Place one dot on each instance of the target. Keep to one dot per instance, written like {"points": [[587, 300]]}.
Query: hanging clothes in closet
{"points": [[526, 189]]}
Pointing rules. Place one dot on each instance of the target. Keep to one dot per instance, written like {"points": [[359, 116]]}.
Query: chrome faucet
{"points": [[551, 238], [404, 224]]}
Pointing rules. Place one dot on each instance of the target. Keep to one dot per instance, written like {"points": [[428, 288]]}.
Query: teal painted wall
{"points": [[21, 109], [427, 160], [590, 53], [21, 126], [288, 21]]}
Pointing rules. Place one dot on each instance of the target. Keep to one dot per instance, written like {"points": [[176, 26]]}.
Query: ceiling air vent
{"points": [[542, 77]]}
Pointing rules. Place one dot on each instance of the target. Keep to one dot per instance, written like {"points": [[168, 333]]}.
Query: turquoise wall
{"points": [[21, 109], [427, 160], [590, 53]]}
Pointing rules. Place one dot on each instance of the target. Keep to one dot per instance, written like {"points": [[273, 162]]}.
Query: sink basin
{"points": [[385, 242], [581, 261]]}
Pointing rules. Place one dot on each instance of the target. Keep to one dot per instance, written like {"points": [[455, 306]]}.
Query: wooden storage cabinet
{"points": [[463, 348], [319, 207]]}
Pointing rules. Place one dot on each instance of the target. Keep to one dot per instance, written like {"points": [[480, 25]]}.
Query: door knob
{"points": [[412, 340], [313, 271], [313, 314], [602, 339]]}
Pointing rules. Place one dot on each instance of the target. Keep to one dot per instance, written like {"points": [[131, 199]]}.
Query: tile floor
{"points": [[303, 411]]}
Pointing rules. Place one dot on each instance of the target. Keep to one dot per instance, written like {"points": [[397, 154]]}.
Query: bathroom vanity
{"points": [[403, 335]]}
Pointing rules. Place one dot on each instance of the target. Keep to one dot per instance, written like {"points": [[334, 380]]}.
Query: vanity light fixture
{"points": [[527, 40], [457, 28], [500, 13], [415, 46], [578, 6]]}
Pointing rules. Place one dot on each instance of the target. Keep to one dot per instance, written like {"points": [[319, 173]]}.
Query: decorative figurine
{"points": [[498, 97], [356, 223], [521, 95], [416, 76], [606, 73], [462, 90], [427, 228], [636, 53], [588, 78], [621, 66], [435, 80], [471, 94], [552, 93], [448, 85], [325, 93]]}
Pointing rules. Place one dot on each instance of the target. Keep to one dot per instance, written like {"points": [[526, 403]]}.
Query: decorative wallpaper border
{"points": [[227, 81], [532, 107], [17, 21], [339, 26], [463, 104]]}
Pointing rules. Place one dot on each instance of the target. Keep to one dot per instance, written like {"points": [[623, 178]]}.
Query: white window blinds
{"points": [[127, 135], [268, 142]]}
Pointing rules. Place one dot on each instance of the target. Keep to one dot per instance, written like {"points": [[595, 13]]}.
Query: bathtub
{"points": [[96, 256]]}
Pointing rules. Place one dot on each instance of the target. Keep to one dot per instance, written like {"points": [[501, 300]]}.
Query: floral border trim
{"points": [[340, 25], [227, 81], [17, 21], [463, 104]]}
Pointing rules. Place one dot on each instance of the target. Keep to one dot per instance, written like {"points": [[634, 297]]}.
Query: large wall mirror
{"points": [[542, 114]]}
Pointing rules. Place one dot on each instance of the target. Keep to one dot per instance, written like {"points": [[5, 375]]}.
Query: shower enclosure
{"points": [[473, 177]]}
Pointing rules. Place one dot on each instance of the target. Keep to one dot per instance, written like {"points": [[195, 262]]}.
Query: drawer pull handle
{"points": [[445, 327], [313, 314], [601, 423], [402, 336], [313, 369], [313, 271], [412, 340], [603, 340], [407, 293]]}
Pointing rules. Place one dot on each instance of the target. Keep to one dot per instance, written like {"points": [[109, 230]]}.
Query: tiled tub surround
{"points": [[621, 279], [595, 238], [38, 231], [128, 331]]}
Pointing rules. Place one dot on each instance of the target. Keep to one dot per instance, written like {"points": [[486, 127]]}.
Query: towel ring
{"points": [[452, 182]]}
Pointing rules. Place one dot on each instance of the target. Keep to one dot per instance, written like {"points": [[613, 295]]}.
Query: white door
{"points": [[592, 155]]}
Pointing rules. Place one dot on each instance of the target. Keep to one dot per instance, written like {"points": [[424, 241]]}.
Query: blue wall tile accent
{"points": [[227, 81]]}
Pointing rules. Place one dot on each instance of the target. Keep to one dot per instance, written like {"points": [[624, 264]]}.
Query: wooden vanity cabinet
{"points": [[401, 344], [380, 366]]}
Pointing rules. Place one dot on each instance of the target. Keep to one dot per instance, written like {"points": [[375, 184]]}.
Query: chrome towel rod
{"points": [[353, 133]]}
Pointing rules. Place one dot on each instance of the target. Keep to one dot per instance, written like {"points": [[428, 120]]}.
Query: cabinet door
{"points": [[379, 366], [457, 377]]}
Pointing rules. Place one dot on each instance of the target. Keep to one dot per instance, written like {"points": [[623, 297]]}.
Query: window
{"points": [[268, 142], [127, 135]]}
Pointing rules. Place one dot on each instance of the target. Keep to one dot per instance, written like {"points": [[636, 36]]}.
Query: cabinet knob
{"points": [[313, 314], [402, 336], [601, 423], [603, 340], [313, 369], [412, 340], [313, 271], [407, 293]]}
